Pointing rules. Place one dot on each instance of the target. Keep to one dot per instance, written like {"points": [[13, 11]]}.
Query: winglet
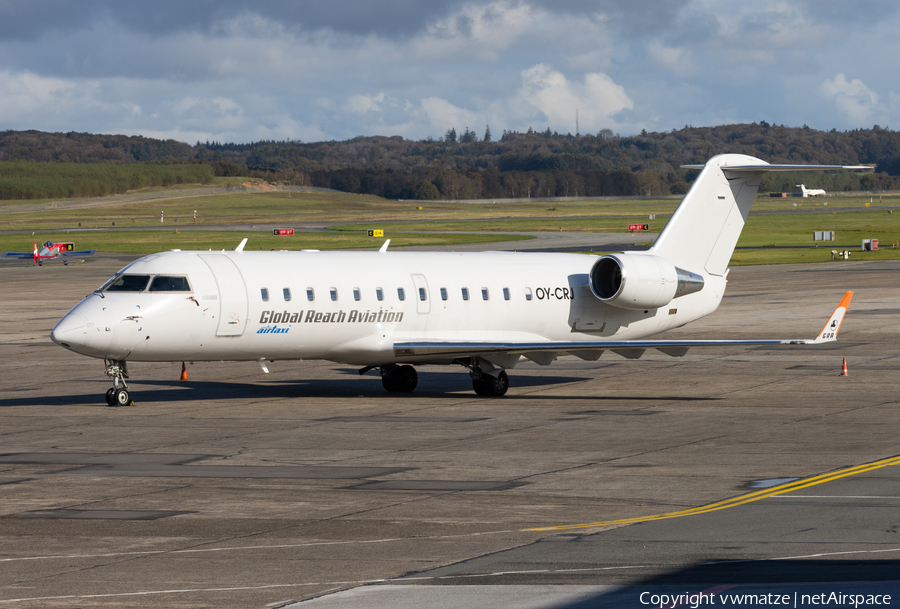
{"points": [[240, 248], [830, 331], [384, 247]]}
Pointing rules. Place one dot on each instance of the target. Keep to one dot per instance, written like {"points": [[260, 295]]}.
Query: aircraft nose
{"points": [[70, 331]]}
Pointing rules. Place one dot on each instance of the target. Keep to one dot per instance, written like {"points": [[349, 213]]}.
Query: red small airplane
{"points": [[49, 251]]}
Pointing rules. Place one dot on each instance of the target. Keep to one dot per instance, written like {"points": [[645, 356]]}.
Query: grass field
{"points": [[406, 224], [146, 242], [324, 207]]}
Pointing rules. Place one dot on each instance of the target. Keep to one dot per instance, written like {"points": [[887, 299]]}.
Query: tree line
{"points": [[43, 180], [462, 165]]}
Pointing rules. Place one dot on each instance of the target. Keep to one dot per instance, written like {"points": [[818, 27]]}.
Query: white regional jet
{"points": [[391, 311], [811, 192]]}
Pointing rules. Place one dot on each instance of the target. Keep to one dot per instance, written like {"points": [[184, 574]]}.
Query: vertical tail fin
{"points": [[701, 234], [703, 231]]}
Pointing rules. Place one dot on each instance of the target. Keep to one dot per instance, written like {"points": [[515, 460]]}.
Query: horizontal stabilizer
{"points": [[771, 167]]}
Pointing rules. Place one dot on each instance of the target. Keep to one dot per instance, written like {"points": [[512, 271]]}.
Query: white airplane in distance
{"points": [[391, 311], [50, 251], [810, 192]]}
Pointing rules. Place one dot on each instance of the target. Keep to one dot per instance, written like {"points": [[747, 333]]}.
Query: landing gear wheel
{"points": [[117, 370], [491, 386], [121, 397], [402, 379]]}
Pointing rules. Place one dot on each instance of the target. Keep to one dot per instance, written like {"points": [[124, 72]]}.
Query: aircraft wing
{"points": [[590, 350], [80, 253], [22, 255]]}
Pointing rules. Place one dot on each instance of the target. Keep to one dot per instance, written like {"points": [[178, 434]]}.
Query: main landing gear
{"points": [[491, 386], [399, 379], [115, 395], [487, 379]]}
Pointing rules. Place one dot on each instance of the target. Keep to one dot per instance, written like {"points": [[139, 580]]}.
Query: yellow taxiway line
{"points": [[735, 501]]}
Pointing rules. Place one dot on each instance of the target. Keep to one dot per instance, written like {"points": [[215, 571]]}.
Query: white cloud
{"points": [[597, 99], [476, 32], [676, 60], [248, 75], [24, 92], [852, 98], [362, 104], [441, 115]]}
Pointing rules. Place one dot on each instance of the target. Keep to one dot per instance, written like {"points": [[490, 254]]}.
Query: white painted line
{"points": [[820, 555], [191, 590], [297, 585], [260, 547]]}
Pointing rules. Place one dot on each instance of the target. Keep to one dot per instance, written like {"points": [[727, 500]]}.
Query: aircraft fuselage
{"points": [[351, 307]]}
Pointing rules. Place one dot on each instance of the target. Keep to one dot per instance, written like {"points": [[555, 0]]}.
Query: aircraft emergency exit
{"points": [[391, 311], [50, 251]]}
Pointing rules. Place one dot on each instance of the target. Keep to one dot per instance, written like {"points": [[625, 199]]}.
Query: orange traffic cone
{"points": [[844, 371], [184, 370]]}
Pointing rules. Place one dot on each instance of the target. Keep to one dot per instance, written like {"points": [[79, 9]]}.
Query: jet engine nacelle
{"points": [[640, 281]]}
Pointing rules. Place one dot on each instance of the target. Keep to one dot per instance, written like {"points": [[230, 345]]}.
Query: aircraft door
{"points": [[586, 313], [233, 301], [423, 305]]}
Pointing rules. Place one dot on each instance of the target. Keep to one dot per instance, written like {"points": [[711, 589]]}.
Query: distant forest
{"points": [[466, 166]]}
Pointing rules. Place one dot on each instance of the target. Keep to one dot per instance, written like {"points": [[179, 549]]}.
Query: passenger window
{"points": [[287, 294], [166, 283], [443, 293], [505, 293], [129, 283], [527, 293], [465, 293], [356, 294], [484, 294], [333, 292], [310, 294], [422, 295], [401, 293], [264, 292], [379, 293]]}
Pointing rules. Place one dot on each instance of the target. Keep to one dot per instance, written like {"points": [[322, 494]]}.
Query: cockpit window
{"points": [[127, 283], [168, 283], [48, 244]]}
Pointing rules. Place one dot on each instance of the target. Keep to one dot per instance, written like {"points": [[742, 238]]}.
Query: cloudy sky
{"points": [[241, 71]]}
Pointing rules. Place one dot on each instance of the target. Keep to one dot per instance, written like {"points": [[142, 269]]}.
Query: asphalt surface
{"points": [[311, 486]]}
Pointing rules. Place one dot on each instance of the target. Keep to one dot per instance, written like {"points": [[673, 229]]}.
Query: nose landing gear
{"points": [[115, 395]]}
